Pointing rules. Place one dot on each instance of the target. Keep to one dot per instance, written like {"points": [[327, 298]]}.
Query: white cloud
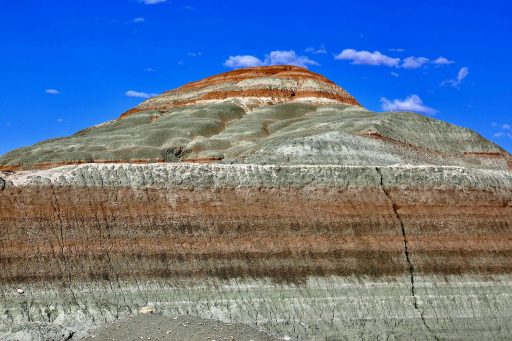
{"points": [[274, 58], [442, 61], [504, 130], [313, 50], [137, 94], [503, 134], [194, 54], [243, 61], [60, 120], [395, 74], [414, 62], [288, 58], [367, 58], [138, 20], [411, 103], [52, 91], [150, 69], [152, 2], [461, 75], [419, 62], [378, 58]]}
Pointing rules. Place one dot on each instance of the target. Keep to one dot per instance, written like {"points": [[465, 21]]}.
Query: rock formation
{"points": [[266, 196], [252, 88]]}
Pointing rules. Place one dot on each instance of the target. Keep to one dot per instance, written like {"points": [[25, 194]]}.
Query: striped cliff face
{"points": [[252, 88], [414, 252], [266, 196]]}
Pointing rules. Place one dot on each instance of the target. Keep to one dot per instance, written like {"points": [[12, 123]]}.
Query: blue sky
{"points": [[66, 65]]}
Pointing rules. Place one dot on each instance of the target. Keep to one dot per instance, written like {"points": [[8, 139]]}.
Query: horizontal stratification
{"points": [[152, 221], [288, 234], [252, 87]]}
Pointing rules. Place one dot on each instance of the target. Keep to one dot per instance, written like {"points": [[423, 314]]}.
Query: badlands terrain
{"points": [[264, 198]]}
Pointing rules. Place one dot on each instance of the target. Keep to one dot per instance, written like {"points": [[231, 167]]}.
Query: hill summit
{"points": [[264, 115], [251, 88], [267, 197]]}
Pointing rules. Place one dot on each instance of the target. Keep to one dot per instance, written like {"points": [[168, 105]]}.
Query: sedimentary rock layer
{"points": [[75, 225], [282, 115], [266, 196], [252, 87], [252, 221]]}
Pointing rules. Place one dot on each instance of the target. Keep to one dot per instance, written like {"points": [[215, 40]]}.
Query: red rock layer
{"points": [[69, 234], [296, 83], [281, 71]]}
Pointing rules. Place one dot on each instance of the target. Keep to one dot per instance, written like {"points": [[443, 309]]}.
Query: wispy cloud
{"points": [[52, 91], [194, 54], [395, 74], [313, 50], [278, 57], [411, 103], [150, 69], [288, 58], [152, 2], [138, 94], [504, 130], [503, 134], [461, 75], [243, 61], [414, 62], [377, 58], [367, 58], [442, 61], [139, 20]]}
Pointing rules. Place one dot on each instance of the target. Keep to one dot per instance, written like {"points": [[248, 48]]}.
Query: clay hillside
{"points": [[263, 196], [267, 115]]}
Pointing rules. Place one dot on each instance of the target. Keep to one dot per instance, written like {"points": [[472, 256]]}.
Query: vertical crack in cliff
{"points": [[2, 184], [406, 254]]}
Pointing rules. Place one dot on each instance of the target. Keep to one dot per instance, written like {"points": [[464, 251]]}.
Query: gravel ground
{"points": [[180, 328]]}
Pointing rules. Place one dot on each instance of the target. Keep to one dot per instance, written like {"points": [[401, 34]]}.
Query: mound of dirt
{"points": [[180, 328], [276, 115]]}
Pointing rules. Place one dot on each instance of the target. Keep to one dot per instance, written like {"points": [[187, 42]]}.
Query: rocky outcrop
{"points": [[123, 227], [270, 115], [310, 218], [252, 221]]}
